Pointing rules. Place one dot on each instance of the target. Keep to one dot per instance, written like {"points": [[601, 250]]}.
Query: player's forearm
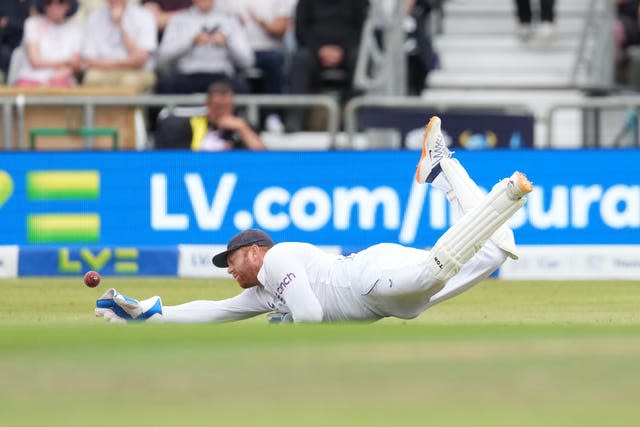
{"points": [[206, 312]]}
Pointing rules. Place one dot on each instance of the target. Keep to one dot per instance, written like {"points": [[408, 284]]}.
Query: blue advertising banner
{"points": [[465, 129], [109, 261], [349, 199]]}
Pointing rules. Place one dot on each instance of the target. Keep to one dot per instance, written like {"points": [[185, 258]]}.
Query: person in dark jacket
{"points": [[328, 37], [13, 13]]}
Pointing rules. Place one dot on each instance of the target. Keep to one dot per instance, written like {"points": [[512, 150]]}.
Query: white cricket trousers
{"points": [[396, 280]]}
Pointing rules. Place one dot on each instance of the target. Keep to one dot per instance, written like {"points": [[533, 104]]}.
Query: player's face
{"points": [[244, 265]]}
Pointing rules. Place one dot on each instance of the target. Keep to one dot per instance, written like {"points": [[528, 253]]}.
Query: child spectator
{"points": [[52, 46]]}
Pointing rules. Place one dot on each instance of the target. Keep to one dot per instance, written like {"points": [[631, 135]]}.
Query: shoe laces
{"points": [[439, 149]]}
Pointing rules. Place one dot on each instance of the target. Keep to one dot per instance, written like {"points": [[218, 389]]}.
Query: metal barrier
{"points": [[591, 109], [253, 103], [36, 132]]}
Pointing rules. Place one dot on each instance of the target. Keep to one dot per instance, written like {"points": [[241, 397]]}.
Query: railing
{"points": [[593, 68], [253, 103], [591, 109], [591, 125]]}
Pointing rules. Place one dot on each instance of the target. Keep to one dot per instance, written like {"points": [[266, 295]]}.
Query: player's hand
{"points": [[277, 317], [118, 308]]}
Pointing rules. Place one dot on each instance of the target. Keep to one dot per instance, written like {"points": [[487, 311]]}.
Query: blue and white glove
{"points": [[118, 308], [278, 317]]}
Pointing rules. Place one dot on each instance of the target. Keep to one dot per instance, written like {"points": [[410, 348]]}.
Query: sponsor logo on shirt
{"points": [[285, 282]]}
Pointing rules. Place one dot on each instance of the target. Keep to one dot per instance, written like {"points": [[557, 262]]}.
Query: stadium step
{"points": [[507, 7], [497, 79], [504, 24]]}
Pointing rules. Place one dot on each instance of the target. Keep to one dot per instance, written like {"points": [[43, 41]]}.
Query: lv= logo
{"points": [[6, 187]]}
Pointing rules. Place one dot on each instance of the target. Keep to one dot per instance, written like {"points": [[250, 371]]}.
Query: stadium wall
{"points": [[166, 213]]}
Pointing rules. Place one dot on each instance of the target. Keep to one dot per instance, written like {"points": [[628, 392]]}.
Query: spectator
{"points": [[199, 46], [52, 46], [328, 37], [163, 10], [266, 23], [119, 43], [626, 33], [221, 129], [545, 29], [13, 13]]}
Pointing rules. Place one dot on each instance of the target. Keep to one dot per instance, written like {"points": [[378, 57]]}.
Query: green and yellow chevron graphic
{"points": [[63, 185]]}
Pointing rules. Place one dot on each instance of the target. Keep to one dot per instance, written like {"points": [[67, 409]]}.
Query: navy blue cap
{"points": [[248, 237]]}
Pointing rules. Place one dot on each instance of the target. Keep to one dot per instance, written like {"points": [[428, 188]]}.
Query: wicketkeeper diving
{"points": [[302, 283]]}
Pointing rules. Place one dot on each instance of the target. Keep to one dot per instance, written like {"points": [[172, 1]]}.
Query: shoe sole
{"points": [[425, 136]]}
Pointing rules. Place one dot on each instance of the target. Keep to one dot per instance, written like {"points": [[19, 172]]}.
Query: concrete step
{"points": [[472, 25], [498, 62], [485, 7], [505, 43], [471, 79]]}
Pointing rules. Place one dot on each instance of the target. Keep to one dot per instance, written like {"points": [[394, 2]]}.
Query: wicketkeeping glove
{"points": [[118, 308]]}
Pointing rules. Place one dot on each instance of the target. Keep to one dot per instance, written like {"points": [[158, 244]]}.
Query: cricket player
{"points": [[303, 283]]}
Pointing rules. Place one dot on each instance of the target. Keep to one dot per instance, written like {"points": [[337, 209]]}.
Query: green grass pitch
{"points": [[505, 353]]}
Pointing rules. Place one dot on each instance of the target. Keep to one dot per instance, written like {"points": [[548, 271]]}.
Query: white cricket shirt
{"points": [[313, 285]]}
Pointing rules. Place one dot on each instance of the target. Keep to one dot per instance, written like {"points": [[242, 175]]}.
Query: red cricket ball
{"points": [[91, 279]]}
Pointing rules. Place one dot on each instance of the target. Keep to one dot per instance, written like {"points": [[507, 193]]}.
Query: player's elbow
{"points": [[311, 315]]}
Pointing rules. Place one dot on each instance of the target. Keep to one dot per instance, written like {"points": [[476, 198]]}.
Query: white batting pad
{"points": [[467, 236], [469, 196]]}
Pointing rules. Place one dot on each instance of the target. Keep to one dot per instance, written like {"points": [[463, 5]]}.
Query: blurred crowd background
{"points": [[306, 47]]}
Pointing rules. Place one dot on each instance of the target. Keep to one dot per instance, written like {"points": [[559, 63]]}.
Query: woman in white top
{"points": [[52, 46]]}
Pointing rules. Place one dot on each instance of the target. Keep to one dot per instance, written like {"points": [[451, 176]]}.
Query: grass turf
{"points": [[503, 354]]}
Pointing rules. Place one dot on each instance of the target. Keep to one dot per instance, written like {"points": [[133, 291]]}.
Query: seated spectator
{"points": [[163, 11], [13, 14], [200, 46], [119, 43], [266, 23], [221, 129], [328, 37], [52, 46]]}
